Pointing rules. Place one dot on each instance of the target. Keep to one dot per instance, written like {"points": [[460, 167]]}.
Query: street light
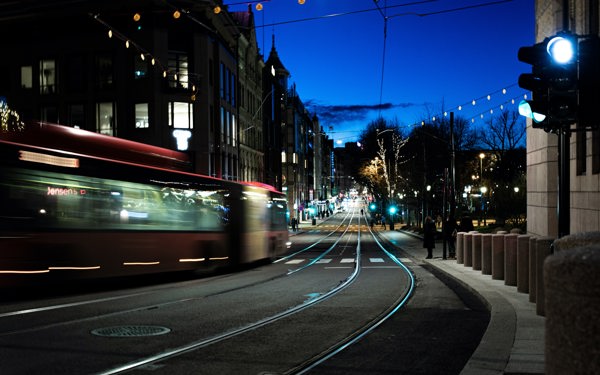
{"points": [[481, 156], [483, 190]]}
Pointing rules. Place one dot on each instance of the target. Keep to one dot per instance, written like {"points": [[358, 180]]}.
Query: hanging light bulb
{"points": [[259, 7], [153, 61], [110, 33], [142, 56], [460, 107], [217, 9], [301, 2], [473, 102], [504, 91], [176, 14], [489, 97], [175, 76], [126, 44], [164, 74], [136, 17]]}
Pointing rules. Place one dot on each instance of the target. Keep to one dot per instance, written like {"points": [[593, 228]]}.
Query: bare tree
{"points": [[504, 132]]}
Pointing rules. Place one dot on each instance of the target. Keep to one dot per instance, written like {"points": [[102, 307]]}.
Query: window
{"points": [[181, 115], [74, 77], [142, 120], [49, 114], [76, 116], [26, 77], [178, 63], [105, 121], [47, 77], [105, 72]]}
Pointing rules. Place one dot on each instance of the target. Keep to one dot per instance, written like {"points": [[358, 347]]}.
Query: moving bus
{"points": [[77, 204]]}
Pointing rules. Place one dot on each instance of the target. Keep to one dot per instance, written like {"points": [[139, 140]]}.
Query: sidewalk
{"points": [[514, 340]]}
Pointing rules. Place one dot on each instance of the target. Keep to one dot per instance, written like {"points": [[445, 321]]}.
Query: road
{"points": [[343, 301]]}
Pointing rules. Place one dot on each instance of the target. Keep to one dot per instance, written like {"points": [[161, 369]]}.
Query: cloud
{"points": [[337, 114]]}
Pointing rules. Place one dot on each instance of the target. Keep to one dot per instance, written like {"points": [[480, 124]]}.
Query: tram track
{"points": [[277, 318]]}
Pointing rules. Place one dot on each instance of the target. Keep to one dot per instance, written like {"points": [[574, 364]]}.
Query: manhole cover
{"points": [[131, 331]]}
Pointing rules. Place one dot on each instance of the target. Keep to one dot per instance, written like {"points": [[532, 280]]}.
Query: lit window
{"points": [[181, 115], [26, 77], [47, 77], [178, 63], [142, 120], [105, 121]]}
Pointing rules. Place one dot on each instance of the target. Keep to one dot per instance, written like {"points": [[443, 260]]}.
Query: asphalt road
{"points": [[338, 288]]}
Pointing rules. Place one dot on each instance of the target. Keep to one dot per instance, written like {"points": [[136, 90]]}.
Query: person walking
{"points": [[429, 232], [383, 221], [450, 235]]}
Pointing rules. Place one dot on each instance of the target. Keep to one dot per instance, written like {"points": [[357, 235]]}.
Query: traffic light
{"points": [[392, 210], [589, 81], [373, 206], [553, 82], [537, 107], [562, 74]]}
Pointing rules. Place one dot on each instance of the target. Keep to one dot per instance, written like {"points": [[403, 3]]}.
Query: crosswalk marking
{"points": [[345, 260]]}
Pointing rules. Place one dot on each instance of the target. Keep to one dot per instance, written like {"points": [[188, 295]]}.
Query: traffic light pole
{"points": [[564, 189]]}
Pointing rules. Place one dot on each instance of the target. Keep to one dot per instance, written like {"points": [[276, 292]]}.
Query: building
{"points": [[178, 74], [543, 150]]}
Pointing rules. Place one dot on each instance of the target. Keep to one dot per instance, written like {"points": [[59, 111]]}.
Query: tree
{"points": [[381, 143], [9, 119]]}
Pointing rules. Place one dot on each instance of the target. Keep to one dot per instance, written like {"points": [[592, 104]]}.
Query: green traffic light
{"points": [[373, 206], [392, 210]]}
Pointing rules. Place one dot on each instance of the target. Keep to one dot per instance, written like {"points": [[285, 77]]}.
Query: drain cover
{"points": [[131, 331]]}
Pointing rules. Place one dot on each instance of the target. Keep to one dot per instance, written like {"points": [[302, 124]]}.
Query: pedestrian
{"points": [[429, 232], [383, 222], [450, 235], [294, 221]]}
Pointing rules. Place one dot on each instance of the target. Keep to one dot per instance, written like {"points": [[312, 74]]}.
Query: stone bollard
{"points": [[576, 240], [523, 263], [543, 248], [467, 249], [510, 259], [532, 268], [572, 310], [476, 251], [460, 240], [486, 254], [498, 256]]}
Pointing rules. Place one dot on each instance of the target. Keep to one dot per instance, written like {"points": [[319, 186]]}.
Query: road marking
{"points": [[405, 260], [347, 260], [294, 261], [320, 261], [376, 260]]}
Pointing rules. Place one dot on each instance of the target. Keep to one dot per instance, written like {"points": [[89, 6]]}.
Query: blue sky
{"points": [[437, 56]]}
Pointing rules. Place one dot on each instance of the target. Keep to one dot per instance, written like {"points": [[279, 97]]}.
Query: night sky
{"points": [[439, 55]]}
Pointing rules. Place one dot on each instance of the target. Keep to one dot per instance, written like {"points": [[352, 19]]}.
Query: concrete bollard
{"points": [[532, 268], [498, 256], [523, 263], [486, 254], [460, 238], [510, 259], [576, 240], [572, 310], [476, 251], [467, 249], [543, 247]]}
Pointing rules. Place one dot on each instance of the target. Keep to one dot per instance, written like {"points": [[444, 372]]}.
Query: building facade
{"points": [[178, 75], [543, 151]]}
